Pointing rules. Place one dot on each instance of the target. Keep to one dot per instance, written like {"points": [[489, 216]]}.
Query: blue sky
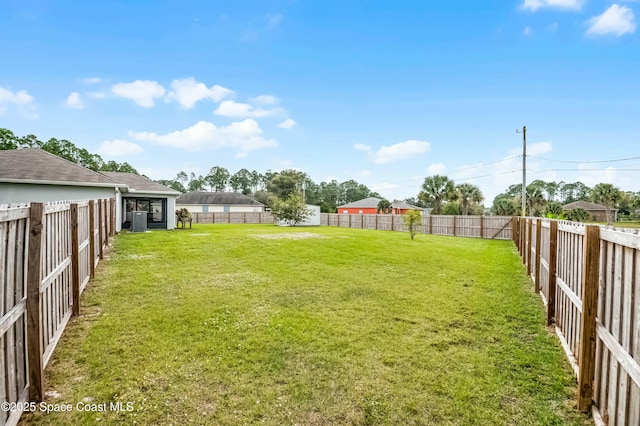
{"points": [[383, 92]]}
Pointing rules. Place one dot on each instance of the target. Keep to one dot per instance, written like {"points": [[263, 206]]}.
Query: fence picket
{"points": [[44, 255]]}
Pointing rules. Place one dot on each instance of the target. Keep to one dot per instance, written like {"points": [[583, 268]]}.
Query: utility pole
{"points": [[304, 191], [524, 169]]}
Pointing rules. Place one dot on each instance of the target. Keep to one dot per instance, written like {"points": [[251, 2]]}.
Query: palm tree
{"points": [[504, 206], [607, 195], [436, 190], [384, 206], [535, 198], [467, 195]]}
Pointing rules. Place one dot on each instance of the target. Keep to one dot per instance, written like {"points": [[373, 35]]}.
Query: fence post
{"points": [[430, 223], [362, 221], [553, 260], [538, 254], [34, 279], [92, 239], [523, 239], [376, 221], [112, 203], [529, 244], [75, 260], [454, 225], [244, 217], [106, 222], [482, 226], [100, 237], [587, 349]]}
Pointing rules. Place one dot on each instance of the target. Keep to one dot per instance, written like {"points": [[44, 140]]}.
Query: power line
{"points": [[585, 170], [585, 162], [477, 166]]}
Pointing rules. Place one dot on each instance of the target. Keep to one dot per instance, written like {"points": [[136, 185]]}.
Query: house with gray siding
{"points": [[35, 175]]}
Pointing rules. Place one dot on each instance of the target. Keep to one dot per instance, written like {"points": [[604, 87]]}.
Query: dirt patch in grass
{"points": [[138, 256], [289, 236]]}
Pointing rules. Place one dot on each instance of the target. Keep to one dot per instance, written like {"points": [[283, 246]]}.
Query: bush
{"points": [[293, 210], [412, 219]]}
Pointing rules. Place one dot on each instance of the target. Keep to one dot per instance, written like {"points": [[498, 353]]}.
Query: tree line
{"points": [[548, 198], [270, 187], [65, 149], [443, 196]]}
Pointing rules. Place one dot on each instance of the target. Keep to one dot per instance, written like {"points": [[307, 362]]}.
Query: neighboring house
{"points": [[146, 195], [597, 212], [364, 206], [218, 202], [400, 207], [35, 175], [370, 206]]}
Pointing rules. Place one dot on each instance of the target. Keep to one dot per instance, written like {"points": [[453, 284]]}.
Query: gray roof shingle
{"points": [[37, 165], [404, 206], [585, 205], [365, 203], [137, 183], [216, 198]]}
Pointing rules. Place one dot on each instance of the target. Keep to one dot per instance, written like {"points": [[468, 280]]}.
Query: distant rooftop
{"points": [[137, 183], [585, 205], [216, 198], [365, 203]]}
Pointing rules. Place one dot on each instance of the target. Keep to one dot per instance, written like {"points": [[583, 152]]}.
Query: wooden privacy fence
{"points": [[491, 227], [589, 279], [48, 254], [235, 217]]}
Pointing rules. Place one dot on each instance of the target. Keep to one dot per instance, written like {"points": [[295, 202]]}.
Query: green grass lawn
{"points": [[245, 324]]}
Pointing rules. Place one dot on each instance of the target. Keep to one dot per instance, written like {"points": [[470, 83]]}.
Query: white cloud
{"points": [[390, 191], [92, 80], [237, 109], [534, 5], [242, 135], [188, 91], [400, 151], [617, 20], [365, 173], [264, 100], [362, 147], [74, 100], [21, 99], [287, 124], [610, 175], [142, 92], [527, 31], [436, 169], [118, 148]]}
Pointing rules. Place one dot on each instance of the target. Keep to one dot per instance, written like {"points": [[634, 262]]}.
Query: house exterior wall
{"points": [[171, 206], [355, 210], [37, 193], [218, 208], [601, 215]]}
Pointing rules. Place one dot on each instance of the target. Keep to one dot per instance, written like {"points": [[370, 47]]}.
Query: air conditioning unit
{"points": [[138, 221]]}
